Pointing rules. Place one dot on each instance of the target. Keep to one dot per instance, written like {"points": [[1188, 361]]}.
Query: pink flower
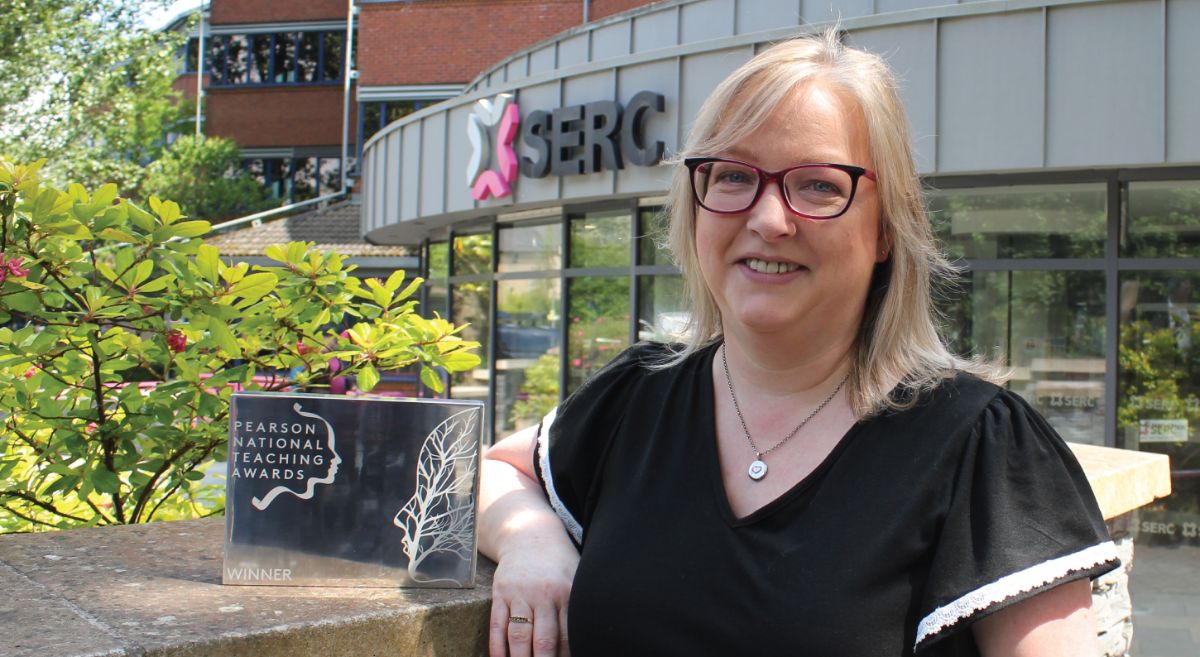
{"points": [[14, 267], [30, 372], [176, 340]]}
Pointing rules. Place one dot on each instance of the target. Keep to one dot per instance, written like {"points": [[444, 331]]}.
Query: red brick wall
{"points": [[276, 11], [282, 116], [441, 41], [604, 8]]}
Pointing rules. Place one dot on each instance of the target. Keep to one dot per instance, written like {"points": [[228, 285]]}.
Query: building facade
{"points": [[275, 72], [1058, 138]]}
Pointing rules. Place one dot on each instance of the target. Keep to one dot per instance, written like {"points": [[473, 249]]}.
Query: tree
{"points": [[205, 177], [123, 335], [87, 86]]}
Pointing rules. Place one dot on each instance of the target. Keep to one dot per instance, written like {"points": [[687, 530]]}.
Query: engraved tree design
{"points": [[439, 516]]}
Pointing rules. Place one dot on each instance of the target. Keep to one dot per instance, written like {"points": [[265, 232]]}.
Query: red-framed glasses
{"points": [[813, 190]]}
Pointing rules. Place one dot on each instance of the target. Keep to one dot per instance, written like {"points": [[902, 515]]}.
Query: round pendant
{"points": [[758, 470]]}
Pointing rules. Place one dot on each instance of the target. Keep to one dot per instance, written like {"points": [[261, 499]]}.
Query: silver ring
{"points": [[520, 620]]}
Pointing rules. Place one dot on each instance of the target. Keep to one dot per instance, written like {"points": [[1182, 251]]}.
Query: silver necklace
{"points": [[758, 469]]}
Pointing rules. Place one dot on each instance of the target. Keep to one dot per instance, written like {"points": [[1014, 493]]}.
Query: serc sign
{"points": [[572, 140]]}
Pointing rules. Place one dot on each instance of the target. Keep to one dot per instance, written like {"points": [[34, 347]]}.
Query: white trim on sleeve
{"points": [[1006, 587], [573, 527]]}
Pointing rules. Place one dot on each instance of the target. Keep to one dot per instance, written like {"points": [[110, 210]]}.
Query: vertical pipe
{"points": [[348, 70], [199, 70], [586, 4]]}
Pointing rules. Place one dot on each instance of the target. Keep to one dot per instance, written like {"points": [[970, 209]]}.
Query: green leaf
{"points": [[276, 253], [368, 378], [118, 235], [190, 228], [105, 480], [157, 284], [208, 261], [224, 337], [431, 379], [255, 286], [25, 302], [460, 361], [141, 218], [407, 291], [394, 281], [105, 195]]}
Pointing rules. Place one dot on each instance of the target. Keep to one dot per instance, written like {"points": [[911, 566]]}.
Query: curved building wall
{"points": [[989, 86], [1059, 137]]}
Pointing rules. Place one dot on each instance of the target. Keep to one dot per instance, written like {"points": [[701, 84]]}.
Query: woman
{"points": [[812, 472]]}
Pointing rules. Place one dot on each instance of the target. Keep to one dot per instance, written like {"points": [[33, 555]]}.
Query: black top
{"points": [[916, 524]]}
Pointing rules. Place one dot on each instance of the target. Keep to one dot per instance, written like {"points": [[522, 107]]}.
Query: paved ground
{"points": [[1165, 587]]}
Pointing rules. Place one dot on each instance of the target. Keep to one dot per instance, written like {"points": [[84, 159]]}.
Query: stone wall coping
{"points": [[155, 591], [1123, 479]]}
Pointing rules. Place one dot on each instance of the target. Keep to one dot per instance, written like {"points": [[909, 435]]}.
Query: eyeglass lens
{"points": [[816, 191]]}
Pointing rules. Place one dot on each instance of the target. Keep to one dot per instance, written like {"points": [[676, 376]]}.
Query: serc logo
{"points": [[482, 180]]}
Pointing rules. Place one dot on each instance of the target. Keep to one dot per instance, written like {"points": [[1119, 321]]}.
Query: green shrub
{"points": [[123, 336], [204, 176]]}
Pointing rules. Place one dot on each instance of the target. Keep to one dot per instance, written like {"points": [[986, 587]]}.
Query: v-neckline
{"points": [[708, 436]]}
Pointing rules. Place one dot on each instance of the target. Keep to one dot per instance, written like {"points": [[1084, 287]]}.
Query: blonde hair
{"points": [[898, 339]]}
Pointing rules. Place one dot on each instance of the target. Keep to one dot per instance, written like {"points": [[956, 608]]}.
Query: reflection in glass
{"points": [[304, 178], [332, 63], [662, 313], [600, 239], [1158, 401], [394, 110], [285, 57], [652, 237], [256, 170], [275, 170], [1164, 220], [471, 306], [1051, 325], [527, 351], [191, 57], [1045, 221], [330, 175], [214, 58], [530, 248], [260, 59], [436, 288], [236, 55], [308, 56], [371, 120], [599, 324], [472, 254]]}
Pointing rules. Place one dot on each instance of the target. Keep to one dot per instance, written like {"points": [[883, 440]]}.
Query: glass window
{"points": [[285, 57], [394, 110], [1158, 401], [275, 171], [600, 239], [236, 56], [331, 65], [530, 248], [371, 120], [260, 59], [304, 178], [472, 304], [330, 175], [191, 55], [652, 237], [599, 324], [215, 58], [1164, 220], [472, 254], [527, 351], [308, 56], [436, 287], [1050, 221], [1051, 326], [256, 169], [662, 313]]}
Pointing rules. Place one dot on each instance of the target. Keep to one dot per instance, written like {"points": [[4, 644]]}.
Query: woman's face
{"points": [[773, 271]]}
